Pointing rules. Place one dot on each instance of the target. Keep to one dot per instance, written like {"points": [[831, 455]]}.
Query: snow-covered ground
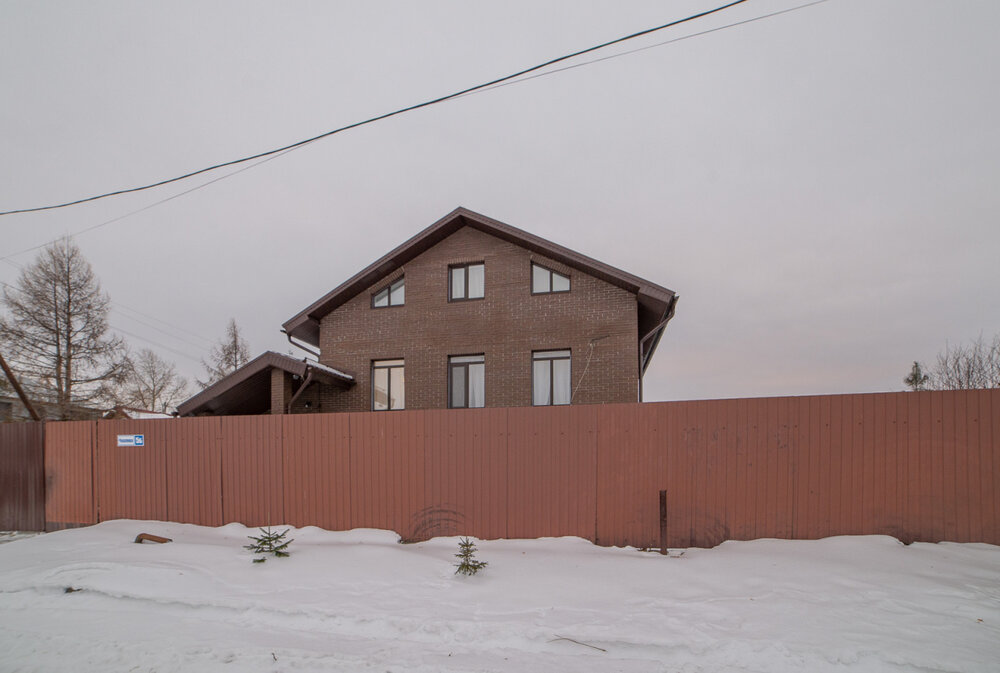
{"points": [[91, 600]]}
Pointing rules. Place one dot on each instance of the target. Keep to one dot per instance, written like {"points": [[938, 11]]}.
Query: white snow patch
{"points": [[359, 600]]}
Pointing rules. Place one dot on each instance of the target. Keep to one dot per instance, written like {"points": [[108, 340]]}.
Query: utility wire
{"points": [[118, 306], [648, 46], [472, 93], [150, 325], [144, 208], [136, 336], [386, 115]]}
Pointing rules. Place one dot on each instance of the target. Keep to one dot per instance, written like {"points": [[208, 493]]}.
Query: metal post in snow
{"points": [[663, 523]]}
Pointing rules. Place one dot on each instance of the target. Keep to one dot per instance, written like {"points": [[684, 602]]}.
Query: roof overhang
{"points": [[654, 301], [248, 389]]}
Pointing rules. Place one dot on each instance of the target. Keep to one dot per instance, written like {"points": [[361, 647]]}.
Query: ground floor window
{"points": [[388, 385], [550, 377], [466, 381]]}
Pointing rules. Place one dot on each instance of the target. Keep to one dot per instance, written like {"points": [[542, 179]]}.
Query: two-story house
{"points": [[470, 312]]}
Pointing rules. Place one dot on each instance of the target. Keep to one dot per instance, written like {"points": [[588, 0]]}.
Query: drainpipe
{"points": [[305, 384], [300, 346], [658, 332]]}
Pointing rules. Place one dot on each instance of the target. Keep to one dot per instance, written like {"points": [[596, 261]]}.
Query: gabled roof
{"points": [[656, 303], [248, 389]]}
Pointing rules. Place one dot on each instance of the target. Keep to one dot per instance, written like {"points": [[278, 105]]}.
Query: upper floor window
{"points": [[550, 377], [388, 385], [466, 281], [544, 281], [466, 381], [392, 295]]}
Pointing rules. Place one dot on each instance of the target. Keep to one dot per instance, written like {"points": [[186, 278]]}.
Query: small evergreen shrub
{"points": [[468, 565], [269, 542]]}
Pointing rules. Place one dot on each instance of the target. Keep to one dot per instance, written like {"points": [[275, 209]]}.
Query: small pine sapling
{"points": [[269, 542], [468, 564]]}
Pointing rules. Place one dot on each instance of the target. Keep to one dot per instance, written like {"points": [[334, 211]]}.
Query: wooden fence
{"points": [[918, 466]]}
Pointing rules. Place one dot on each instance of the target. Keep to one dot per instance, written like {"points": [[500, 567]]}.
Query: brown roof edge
{"points": [[266, 360], [305, 324], [667, 316]]}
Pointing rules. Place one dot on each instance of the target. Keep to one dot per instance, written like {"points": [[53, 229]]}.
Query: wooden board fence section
{"points": [[22, 475], [918, 466]]}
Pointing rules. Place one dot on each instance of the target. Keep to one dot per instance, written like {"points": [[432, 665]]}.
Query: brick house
{"points": [[470, 312]]}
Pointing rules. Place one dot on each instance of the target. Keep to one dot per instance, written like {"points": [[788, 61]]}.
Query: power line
{"points": [[158, 329], [136, 336], [471, 93], [386, 115], [144, 208], [155, 343], [119, 306], [651, 46]]}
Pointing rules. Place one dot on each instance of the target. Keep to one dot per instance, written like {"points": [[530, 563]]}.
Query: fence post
{"points": [[663, 522]]}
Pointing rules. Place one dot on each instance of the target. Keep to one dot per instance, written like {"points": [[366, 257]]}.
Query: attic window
{"points": [[393, 295], [545, 281], [467, 281]]}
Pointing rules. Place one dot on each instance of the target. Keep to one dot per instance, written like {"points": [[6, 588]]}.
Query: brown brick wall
{"points": [[281, 390], [506, 326]]}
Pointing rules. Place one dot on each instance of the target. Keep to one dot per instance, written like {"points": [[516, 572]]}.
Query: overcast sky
{"points": [[821, 187]]}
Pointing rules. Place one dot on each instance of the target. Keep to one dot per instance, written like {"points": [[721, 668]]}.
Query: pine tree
{"points": [[468, 564], [269, 542], [917, 380], [228, 355]]}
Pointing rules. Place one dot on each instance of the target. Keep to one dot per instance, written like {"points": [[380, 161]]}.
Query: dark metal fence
{"points": [[22, 485]]}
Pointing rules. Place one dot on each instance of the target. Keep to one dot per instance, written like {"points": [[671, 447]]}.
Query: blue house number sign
{"points": [[131, 440]]}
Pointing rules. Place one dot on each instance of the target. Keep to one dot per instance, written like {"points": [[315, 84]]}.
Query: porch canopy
{"points": [[249, 390]]}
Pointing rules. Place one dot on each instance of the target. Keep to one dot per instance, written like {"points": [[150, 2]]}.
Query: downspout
{"points": [[300, 346], [657, 331], [305, 384]]}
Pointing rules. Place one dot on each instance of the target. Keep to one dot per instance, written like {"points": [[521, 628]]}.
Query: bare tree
{"points": [[55, 331], [974, 366], [227, 355], [152, 383]]}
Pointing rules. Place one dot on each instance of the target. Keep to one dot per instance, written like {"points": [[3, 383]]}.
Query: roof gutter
{"points": [[297, 345], [656, 334]]}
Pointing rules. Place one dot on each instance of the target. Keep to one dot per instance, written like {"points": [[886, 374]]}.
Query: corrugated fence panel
{"points": [[132, 480], [22, 476], [631, 472], [920, 466], [252, 470], [316, 472], [552, 467], [388, 464], [194, 470], [465, 488], [70, 499]]}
